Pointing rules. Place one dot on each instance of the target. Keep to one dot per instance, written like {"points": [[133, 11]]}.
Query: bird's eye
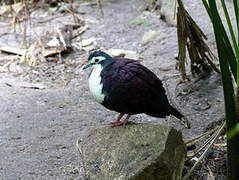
{"points": [[96, 60]]}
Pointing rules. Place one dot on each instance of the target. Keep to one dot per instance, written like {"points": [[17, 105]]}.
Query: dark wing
{"points": [[131, 88]]}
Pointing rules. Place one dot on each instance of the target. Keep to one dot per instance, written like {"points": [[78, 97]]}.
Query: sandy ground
{"points": [[39, 127]]}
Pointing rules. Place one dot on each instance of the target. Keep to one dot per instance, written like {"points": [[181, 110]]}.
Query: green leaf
{"points": [[236, 10], [233, 132], [221, 32], [229, 25], [228, 65]]}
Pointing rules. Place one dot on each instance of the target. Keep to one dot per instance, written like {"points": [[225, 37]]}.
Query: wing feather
{"points": [[129, 87]]}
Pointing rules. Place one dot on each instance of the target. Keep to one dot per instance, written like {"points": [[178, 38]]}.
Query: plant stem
{"points": [[229, 25], [235, 3]]}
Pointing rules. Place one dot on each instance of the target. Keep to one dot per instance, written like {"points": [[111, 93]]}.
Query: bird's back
{"points": [[131, 88]]}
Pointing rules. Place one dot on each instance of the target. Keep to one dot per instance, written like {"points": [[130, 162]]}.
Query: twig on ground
{"points": [[203, 146], [100, 7], [198, 138], [215, 136], [12, 50], [79, 148]]}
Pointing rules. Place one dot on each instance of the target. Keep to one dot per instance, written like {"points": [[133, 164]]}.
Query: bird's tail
{"points": [[174, 112], [177, 114], [169, 110]]}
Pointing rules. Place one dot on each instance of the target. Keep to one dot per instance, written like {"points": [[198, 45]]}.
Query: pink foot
{"points": [[115, 123]]}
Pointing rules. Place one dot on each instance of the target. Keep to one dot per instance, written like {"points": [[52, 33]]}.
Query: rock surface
{"points": [[165, 8], [137, 151]]}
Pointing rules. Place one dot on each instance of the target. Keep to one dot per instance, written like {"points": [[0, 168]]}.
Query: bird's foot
{"points": [[118, 122], [115, 123]]}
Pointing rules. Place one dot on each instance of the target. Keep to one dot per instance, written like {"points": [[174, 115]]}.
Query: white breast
{"points": [[95, 84]]}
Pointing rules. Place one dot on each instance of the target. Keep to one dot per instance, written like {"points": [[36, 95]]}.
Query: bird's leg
{"points": [[117, 122], [119, 117], [126, 120]]}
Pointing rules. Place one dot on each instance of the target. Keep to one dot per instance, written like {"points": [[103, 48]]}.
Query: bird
{"points": [[127, 87]]}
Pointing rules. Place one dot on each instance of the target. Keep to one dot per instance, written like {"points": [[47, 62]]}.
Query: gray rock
{"points": [[136, 151], [165, 8]]}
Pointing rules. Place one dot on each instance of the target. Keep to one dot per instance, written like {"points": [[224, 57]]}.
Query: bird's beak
{"points": [[85, 65]]}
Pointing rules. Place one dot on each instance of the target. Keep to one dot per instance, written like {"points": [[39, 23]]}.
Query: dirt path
{"points": [[39, 128]]}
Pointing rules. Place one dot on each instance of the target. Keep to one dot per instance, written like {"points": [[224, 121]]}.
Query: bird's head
{"points": [[96, 59]]}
